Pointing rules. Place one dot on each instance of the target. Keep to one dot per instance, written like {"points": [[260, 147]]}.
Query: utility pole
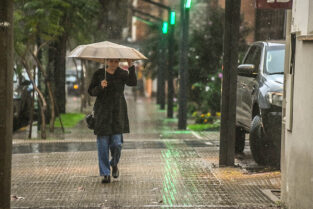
{"points": [[229, 86], [162, 69], [6, 100], [159, 73], [183, 70], [170, 85]]}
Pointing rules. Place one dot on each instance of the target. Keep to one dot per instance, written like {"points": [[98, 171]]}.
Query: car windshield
{"points": [[71, 78], [275, 58]]}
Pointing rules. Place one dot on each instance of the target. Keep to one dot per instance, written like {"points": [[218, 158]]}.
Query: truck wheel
{"points": [[263, 150], [258, 143], [240, 140]]}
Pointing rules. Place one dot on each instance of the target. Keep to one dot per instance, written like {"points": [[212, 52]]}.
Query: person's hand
{"points": [[104, 83], [130, 63]]}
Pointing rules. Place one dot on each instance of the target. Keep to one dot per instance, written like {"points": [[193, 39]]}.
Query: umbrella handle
{"points": [[105, 70]]}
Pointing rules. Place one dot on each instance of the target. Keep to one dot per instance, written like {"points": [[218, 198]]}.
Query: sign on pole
{"points": [[274, 4]]}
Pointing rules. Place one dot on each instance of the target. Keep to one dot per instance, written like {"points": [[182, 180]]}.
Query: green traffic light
{"points": [[165, 27], [172, 18], [188, 4]]}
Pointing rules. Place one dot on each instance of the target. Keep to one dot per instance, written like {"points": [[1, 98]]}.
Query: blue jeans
{"points": [[106, 143]]}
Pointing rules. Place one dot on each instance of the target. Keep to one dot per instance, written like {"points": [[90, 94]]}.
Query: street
{"points": [[160, 167]]}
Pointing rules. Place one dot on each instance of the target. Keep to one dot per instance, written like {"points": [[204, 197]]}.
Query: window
{"points": [[254, 56], [275, 59]]}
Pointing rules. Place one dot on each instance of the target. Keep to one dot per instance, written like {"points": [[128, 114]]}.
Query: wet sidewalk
{"points": [[160, 167]]}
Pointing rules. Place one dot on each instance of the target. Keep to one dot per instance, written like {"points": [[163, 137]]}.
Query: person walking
{"points": [[110, 112]]}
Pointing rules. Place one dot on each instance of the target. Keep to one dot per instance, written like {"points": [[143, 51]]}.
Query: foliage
{"points": [[36, 18], [82, 22], [151, 45], [204, 127], [37, 25], [206, 42], [206, 96], [205, 55], [112, 19], [203, 118], [69, 120], [205, 121]]}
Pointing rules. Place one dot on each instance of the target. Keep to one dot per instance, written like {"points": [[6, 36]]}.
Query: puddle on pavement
{"points": [[53, 147], [92, 146]]}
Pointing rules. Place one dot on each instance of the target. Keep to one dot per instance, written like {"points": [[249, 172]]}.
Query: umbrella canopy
{"points": [[106, 50]]}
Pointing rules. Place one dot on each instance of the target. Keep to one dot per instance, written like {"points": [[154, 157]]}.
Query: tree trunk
{"points": [[51, 97], [42, 100], [31, 114], [52, 107], [228, 119], [59, 73], [6, 107]]}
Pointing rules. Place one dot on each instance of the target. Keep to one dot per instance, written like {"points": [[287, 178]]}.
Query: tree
{"points": [[84, 22], [43, 30], [82, 29], [205, 53], [37, 19], [6, 107], [151, 47]]}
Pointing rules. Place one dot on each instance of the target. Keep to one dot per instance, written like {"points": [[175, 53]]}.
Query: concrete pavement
{"points": [[160, 167]]}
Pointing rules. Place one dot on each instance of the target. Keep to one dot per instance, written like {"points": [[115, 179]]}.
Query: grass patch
{"points": [[204, 127], [69, 120], [170, 120]]}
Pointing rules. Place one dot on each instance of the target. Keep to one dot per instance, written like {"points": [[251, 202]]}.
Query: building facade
{"points": [[265, 24], [297, 140]]}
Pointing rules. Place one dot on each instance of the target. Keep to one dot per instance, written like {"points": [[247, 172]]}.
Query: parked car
{"points": [[259, 101], [21, 101], [73, 87]]}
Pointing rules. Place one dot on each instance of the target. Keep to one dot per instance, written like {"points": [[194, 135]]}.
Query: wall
{"points": [[297, 155], [298, 191], [300, 18]]}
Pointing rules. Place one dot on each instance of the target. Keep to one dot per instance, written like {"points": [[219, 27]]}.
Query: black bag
{"points": [[90, 119]]}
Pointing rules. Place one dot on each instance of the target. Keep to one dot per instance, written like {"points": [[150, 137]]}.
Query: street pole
{"points": [[159, 73], [229, 86], [6, 100], [170, 85], [183, 71], [162, 71]]}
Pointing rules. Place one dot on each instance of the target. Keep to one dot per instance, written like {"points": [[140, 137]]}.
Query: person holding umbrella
{"points": [[110, 112], [110, 108]]}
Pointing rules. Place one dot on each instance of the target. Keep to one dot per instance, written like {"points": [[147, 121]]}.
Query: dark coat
{"points": [[110, 106]]}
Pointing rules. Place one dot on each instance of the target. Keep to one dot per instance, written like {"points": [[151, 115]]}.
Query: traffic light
{"points": [[188, 4], [173, 18], [165, 27]]}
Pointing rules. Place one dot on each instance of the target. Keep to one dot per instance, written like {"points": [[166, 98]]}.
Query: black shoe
{"points": [[106, 179], [115, 172]]}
